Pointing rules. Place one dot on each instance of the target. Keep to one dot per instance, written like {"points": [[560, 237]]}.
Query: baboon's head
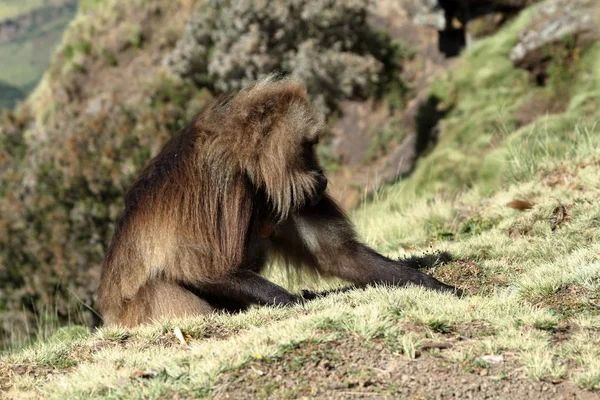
{"points": [[280, 131]]}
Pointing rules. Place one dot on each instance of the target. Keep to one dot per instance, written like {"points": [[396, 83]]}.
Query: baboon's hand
{"points": [[310, 295], [290, 300], [427, 261]]}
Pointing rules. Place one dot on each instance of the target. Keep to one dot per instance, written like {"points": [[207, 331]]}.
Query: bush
{"points": [[59, 201], [328, 44]]}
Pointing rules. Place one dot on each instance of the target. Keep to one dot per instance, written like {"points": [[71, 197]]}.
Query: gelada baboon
{"points": [[237, 186]]}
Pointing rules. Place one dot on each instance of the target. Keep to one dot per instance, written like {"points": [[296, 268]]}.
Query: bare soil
{"points": [[468, 276], [353, 368]]}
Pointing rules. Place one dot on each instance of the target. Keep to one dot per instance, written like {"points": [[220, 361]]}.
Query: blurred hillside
{"points": [[404, 101], [29, 32]]}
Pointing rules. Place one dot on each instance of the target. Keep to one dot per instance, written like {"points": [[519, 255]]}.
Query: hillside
{"points": [[29, 32], [508, 186], [13, 8], [529, 327]]}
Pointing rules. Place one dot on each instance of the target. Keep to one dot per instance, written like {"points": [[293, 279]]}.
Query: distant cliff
{"points": [[14, 28], [27, 41]]}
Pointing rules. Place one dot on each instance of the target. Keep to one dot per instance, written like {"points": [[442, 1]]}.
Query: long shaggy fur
{"points": [[187, 216]]}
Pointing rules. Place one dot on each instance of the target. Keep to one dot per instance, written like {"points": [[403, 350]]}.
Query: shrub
{"points": [[328, 44]]}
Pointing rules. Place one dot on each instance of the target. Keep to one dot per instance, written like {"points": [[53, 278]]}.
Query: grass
{"points": [[516, 318], [493, 107], [532, 275], [10, 95], [24, 60]]}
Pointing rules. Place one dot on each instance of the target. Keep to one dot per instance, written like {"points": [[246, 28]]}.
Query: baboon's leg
{"points": [[170, 300], [322, 237], [158, 300], [246, 287]]}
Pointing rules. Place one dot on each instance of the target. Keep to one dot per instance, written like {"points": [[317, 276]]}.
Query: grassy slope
{"points": [[487, 98], [528, 290], [535, 292]]}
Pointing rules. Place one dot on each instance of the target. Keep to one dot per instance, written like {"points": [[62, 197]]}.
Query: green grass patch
{"points": [[486, 96]]}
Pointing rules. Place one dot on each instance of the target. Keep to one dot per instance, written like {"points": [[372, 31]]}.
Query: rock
{"points": [[458, 21], [427, 13], [554, 21], [436, 13], [365, 125], [98, 104], [353, 131]]}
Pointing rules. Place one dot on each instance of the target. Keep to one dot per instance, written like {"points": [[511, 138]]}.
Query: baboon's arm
{"points": [[244, 287], [321, 237]]}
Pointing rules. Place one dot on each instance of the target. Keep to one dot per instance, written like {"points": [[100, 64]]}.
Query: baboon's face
{"points": [[313, 169], [288, 168], [306, 132]]}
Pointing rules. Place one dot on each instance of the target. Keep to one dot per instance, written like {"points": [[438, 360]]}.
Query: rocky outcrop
{"points": [[459, 20], [427, 13], [554, 23], [373, 142]]}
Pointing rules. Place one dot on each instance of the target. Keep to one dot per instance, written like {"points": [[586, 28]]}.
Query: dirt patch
{"points": [[538, 106], [60, 365], [474, 329], [36, 371], [7, 372], [571, 300], [468, 276], [565, 174], [352, 368]]}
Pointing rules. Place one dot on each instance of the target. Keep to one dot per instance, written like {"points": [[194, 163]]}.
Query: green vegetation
{"points": [[495, 109], [382, 138], [10, 95], [314, 44], [531, 268], [24, 60], [109, 58]]}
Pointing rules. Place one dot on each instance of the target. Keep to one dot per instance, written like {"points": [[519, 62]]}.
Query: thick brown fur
{"points": [[239, 184]]}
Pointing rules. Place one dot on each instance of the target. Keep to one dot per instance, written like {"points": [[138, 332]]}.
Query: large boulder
{"points": [[554, 23]]}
